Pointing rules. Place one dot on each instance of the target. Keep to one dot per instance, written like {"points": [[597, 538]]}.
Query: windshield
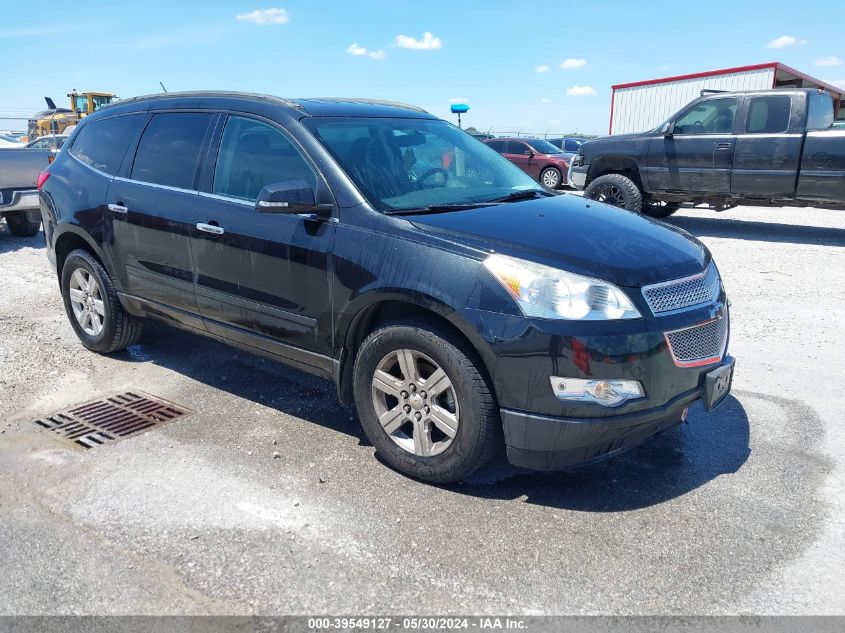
{"points": [[400, 164], [543, 147]]}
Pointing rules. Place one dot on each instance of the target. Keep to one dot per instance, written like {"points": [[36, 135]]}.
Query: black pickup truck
{"points": [[771, 147]]}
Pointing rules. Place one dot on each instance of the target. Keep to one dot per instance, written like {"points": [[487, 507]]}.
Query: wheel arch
{"points": [[381, 308], [623, 165], [68, 238]]}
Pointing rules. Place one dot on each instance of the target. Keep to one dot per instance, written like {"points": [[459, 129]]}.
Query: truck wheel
{"points": [[617, 191], [424, 403], [551, 178], [24, 223], [659, 209], [93, 308]]}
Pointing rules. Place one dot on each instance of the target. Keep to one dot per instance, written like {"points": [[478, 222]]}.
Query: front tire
{"points": [[424, 402], [617, 191], [24, 223], [93, 308], [551, 178]]}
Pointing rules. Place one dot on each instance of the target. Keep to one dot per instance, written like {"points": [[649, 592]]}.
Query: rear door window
{"points": [[169, 149], [819, 112], [768, 115], [517, 147], [254, 154], [499, 146], [102, 144]]}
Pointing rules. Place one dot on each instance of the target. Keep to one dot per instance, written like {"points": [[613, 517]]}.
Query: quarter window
{"points": [[102, 144], [499, 146], [715, 116], [254, 154], [768, 115], [169, 149]]}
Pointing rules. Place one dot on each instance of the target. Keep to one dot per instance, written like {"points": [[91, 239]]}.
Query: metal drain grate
{"points": [[113, 418]]}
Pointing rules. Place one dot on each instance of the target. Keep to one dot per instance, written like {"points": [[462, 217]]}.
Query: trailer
{"points": [[643, 105]]}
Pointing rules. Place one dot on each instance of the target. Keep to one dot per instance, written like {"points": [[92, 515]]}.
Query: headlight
{"points": [[550, 293]]}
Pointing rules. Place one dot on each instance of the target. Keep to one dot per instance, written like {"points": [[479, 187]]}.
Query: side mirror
{"points": [[669, 129], [292, 196]]}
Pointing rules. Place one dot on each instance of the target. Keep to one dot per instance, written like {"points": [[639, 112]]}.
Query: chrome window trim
{"points": [[217, 196], [681, 280], [84, 164], [155, 184]]}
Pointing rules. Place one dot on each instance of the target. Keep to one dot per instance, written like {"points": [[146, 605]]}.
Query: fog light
{"points": [[610, 393]]}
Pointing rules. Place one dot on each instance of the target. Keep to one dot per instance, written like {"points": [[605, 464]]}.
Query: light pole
{"points": [[459, 109]]}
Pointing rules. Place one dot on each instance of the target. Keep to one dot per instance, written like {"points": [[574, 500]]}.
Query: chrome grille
{"points": [[680, 294], [699, 344]]}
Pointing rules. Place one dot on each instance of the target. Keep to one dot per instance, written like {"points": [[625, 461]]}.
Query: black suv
{"points": [[457, 303]]}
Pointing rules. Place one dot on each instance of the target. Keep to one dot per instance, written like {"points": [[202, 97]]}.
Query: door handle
{"points": [[118, 208], [724, 146], [210, 228]]}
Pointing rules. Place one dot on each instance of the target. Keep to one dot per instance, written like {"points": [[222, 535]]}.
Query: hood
{"points": [[581, 236]]}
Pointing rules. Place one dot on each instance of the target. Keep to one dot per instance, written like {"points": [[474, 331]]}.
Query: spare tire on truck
{"points": [[617, 191]]}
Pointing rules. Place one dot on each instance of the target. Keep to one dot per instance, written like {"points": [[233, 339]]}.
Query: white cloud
{"points": [[458, 100], [360, 51], [265, 16], [545, 100], [833, 60], [784, 41], [572, 62], [541, 69], [580, 91], [427, 42], [839, 83]]}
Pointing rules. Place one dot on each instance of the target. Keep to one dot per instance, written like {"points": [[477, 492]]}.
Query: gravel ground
{"points": [[738, 511]]}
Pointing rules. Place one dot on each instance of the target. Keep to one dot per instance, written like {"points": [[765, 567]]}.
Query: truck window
{"points": [[499, 146], [819, 111], [170, 148], [768, 115], [715, 116], [102, 144]]}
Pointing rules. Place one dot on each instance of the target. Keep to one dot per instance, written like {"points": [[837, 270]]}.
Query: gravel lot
{"points": [[739, 511]]}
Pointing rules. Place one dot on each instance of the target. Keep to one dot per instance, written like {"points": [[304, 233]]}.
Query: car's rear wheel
{"points": [[659, 209], [617, 191], [92, 305], [424, 403], [551, 178], [23, 223]]}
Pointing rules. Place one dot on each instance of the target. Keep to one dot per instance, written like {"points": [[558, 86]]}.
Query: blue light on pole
{"points": [[459, 109]]}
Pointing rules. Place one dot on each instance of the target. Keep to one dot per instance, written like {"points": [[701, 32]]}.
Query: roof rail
{"points": [[711, 91], [206, 93]]}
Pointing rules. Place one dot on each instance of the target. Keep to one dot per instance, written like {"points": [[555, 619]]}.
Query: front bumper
{"points": [[578, 176], [549, 443], [21, 201]]}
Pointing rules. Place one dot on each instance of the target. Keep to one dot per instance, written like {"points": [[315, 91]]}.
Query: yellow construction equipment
{"points": [[54, 120]]}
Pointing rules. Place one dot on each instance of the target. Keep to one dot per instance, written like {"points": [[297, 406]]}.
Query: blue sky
{"points": [[487, 53]]}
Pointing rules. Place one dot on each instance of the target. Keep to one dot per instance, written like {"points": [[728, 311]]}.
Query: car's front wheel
{"points": [[92, 305], [551, 178], [424, 402], [617, 191], [23, 223]]}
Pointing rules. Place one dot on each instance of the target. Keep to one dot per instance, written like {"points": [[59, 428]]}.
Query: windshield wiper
{"points": [[440, 208], [516, 196]]}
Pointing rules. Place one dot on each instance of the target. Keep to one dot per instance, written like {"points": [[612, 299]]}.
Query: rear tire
{"points": [[93, 308], [442, 443], [23, 223], [616, 190], [551, 178], [659, 209]]}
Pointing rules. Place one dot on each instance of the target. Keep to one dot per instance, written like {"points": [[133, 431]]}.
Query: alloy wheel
{"points": [[550, 178], [612, 195], [86, 300], [415, 402]]}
